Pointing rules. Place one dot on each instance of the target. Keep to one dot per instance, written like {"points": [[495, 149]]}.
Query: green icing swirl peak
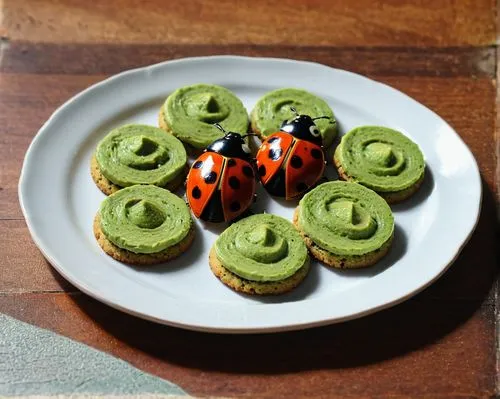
{"points": [[206, 108], [144, 214], [261, 247], [380, 153], [351, 219], [140, 154]]}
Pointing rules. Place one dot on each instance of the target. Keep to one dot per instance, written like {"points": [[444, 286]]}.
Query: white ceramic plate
{"points": [[59, 201]]}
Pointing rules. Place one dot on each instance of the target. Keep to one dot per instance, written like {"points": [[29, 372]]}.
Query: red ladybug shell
{"points": [[271, 155], [303, 163], [228, 181]]}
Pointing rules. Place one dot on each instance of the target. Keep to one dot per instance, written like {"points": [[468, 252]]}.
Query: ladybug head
{"points": [[232, 145], [303, 127]]}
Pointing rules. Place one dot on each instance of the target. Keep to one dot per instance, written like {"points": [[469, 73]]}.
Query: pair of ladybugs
{"points": [[221, 182]]}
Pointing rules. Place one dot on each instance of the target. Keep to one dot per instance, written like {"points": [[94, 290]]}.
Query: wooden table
{"points": [[441, 343]]}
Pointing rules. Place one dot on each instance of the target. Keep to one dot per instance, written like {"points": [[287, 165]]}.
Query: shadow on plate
{"points": [[429, 317]]}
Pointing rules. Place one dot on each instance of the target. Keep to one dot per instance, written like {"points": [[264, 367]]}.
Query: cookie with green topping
{"points": [[261, 254], [276, 106], [189, 113], [143, 225], [381, 159], [345, 225], [138, 154]]}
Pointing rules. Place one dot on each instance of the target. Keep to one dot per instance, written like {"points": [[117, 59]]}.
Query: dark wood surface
{"points": [[441, 343]]}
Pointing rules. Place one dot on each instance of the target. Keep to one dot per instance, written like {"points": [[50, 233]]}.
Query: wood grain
{"points": [[442, 343], [100, 59], [28, 100], [25, 104], [443, 349], [24, 269], [316, 22]]}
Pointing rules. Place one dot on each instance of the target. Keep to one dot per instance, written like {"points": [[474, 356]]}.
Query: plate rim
{"points": [[230, 330]]}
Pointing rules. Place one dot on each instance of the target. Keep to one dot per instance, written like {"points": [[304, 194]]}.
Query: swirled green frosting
{"points": [[273, 108], [380, 158], [140, 154], [191, 111], [144, 219], [261, 247], [345, 218]]}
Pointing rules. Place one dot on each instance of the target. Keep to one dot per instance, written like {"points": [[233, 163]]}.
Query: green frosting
{"points": [[380, 158], [191, 111], [140, 154], [261, 247], [272, 109], [144, 219], [345, 218]]}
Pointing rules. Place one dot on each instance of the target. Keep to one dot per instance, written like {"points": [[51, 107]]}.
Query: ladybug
{"points": [[292, 160], [221, 183]]}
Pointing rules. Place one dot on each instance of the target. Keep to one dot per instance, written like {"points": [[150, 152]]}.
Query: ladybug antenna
{"points": [[294, 110], [220, 128], [321, 117]]}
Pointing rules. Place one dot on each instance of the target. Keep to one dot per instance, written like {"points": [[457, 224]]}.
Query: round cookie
{"points": [[190, 112], [143, 224], [275, 107], [138, 154], [345, 225], [381, 159], [262, 254]]}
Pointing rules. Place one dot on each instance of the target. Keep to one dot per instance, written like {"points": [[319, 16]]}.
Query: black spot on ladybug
{"points": [[247, 171], [196, 192], [231, 163], [296, 162], [301, 187], [234, 183], [235, 206], [275, 153], [272, 140], [315, 153], [262, 170], [197, 165], [211, 178]]}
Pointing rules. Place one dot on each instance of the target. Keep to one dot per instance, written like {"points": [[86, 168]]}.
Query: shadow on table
{"points": [[412, 325]]}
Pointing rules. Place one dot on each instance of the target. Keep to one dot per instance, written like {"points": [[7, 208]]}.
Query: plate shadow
{"points": [[423, 320]]}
